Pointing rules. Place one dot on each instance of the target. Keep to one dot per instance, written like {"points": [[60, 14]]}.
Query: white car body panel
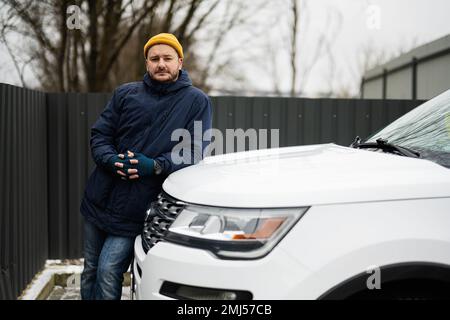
{"points": [[307, 175], [338, 242], [201, 268], [328, 245], [367, 209]]}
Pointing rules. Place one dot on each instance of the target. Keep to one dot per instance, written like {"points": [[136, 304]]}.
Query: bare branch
{"points": [[202, 20], [33, 22], [116, 51], [295, 18], [169, 16], [13, 57], [181, 30]]}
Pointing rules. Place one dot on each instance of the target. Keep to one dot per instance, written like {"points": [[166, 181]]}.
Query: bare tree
{"points": [[369, 57], [334, 24], [272, 68], [107, 48], [295, 10], [17, 63], [302, 65]]}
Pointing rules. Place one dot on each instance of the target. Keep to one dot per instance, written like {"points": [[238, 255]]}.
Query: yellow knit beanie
{"points": [[164, 38]]}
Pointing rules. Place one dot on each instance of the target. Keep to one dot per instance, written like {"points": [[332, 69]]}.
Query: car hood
{"points": [[307, 175]]}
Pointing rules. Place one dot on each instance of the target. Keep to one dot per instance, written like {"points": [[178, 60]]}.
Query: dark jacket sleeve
{"points": [[103, 132], [201, 111]]}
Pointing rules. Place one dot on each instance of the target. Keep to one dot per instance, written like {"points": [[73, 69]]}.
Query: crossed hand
{"points": [[132, 165]]}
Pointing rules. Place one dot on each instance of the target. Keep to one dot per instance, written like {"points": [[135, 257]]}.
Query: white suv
{"points": [[308, 222]]}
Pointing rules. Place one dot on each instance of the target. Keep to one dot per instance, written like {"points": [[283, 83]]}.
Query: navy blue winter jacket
{"points": [[140, 117]]}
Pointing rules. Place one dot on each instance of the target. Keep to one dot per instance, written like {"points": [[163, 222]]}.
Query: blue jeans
{"points": [[106, 258]]}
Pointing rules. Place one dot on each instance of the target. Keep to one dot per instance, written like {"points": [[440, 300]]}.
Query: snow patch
{"points": [[41, 279]]}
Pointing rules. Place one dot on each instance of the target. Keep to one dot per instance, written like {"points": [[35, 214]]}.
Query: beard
{"points": [[164, 76]]}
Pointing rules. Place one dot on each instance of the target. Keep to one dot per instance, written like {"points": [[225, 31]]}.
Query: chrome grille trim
{"points": [[160, 216]]}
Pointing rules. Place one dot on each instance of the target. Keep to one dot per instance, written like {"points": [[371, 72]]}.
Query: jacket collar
{"points": [[164, 88]]}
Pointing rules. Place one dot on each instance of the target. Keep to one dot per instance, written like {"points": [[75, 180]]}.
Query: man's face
{"points": [[163, 63]]}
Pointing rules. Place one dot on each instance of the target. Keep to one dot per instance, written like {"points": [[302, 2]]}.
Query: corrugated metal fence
{"points": [[70, 117], [45, 160], [308, 121], [23, 188]]}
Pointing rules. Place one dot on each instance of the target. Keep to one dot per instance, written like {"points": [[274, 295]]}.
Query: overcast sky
{"points": [[349, 25], [403, 24]]}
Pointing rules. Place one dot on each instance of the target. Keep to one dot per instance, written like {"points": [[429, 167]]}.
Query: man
{"points": [[132, 148]]}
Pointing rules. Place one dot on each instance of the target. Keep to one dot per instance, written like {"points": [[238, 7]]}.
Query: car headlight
{"points": [[233, 233]]}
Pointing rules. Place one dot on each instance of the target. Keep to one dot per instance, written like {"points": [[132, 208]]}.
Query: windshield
{"points": [[425, 129]]}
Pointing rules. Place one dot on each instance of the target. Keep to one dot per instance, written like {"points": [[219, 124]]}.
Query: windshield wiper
{"points": [[385, 146]]}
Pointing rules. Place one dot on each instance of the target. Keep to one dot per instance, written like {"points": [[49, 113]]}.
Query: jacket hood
{"points": [[163, 88]]}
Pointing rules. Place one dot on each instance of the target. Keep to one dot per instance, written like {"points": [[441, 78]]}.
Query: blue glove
{"points": [[145, 166], [125, 162]]}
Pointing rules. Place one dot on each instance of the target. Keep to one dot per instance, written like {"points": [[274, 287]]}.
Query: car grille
{"points": [[160, 216]]}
